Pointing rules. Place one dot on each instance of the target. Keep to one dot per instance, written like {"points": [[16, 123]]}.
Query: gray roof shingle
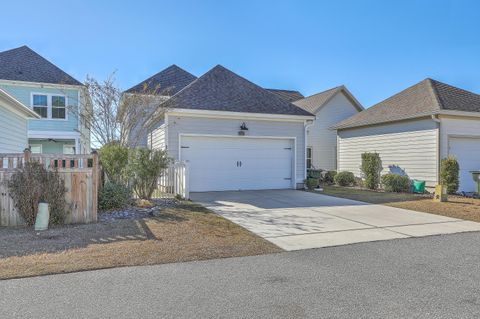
{"points": [[288, 95], [425, 98], [166, 82], [222, 90], [316, 101], [24, 64], [313, 102]]}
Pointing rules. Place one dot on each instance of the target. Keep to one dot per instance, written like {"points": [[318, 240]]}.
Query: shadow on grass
{"points": [[22, 241], [375, 197]]}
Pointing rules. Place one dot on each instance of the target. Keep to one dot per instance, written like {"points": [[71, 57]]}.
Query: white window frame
{"points": [[36, 145], [309, 158], [38, 106], [69, 145], [58, 107], [50, 106]]}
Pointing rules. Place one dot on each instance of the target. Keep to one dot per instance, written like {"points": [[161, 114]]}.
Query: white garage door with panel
{"points": [[238, 163], [467, 152]]}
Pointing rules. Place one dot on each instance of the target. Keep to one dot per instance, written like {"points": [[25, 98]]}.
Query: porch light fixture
{"points": [[243, 127]]}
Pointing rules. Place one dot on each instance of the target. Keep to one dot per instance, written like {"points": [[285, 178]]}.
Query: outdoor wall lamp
{"points": [[243, 129]]}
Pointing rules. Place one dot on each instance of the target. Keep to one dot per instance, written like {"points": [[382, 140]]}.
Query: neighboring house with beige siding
{"points": [[329, 108], [13, 124], [413, 130]]}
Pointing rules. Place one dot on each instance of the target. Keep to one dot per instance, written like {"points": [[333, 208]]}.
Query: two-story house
{"points": [[53, 94]]}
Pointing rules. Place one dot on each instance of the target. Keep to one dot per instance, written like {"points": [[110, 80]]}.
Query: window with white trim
{"points": [[40, 104], [36, 148], [68, 149], [309, 157], [58, 107], [50, 106]]}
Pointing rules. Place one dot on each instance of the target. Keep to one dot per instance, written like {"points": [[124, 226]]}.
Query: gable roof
{"points": [[315, 102], [222, 90], [288, 95], [428, 97], [24, 64], [17, 106], [168, 81]]}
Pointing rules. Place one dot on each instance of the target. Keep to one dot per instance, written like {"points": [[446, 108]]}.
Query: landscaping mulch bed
{"points": [[456, 207], [171, 231]]}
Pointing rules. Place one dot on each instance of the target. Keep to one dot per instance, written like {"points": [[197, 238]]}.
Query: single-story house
{"points": [[237, 135], [14, 124], [233, 134], [413, 130], [329, 108]]}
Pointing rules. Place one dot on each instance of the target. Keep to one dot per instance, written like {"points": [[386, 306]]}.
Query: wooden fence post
{"points": [[26, 156], [95, 175]]}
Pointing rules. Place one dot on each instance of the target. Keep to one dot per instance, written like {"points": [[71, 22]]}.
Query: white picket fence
{"points": [[174, 181]]}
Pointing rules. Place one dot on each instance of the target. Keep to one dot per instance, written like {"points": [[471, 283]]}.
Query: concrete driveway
{"points": [[300, 220]]}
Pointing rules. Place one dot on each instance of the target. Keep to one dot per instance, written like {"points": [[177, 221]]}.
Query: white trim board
{"points": [[41, 85], [237, 115], [16, 106], [53, 134]]}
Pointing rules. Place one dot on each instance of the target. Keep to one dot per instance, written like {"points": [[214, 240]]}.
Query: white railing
{"points": [[174, 181]]}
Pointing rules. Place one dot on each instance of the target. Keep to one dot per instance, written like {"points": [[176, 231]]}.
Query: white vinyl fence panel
{"points": [[174, 181]]}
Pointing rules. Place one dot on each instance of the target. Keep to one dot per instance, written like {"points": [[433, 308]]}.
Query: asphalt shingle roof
{"points": [[24, 64], [222, 90], [313, 102], [287, 95], [166, 82], [425, 98]]}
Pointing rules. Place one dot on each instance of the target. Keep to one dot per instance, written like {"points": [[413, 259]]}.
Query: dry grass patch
{"points": [[186, 232], [456, 207]]}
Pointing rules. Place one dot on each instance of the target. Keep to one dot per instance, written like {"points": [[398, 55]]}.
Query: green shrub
{"points": [[449, 174], [114, 162], [114, 196], [371, 167], [34, 183], [395, 183], [145, 166], [314, 173], [311, 183], [344, 178], [329, 177]]}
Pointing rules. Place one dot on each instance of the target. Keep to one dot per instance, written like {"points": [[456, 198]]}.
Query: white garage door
{"points": [[467, 152], [237, 163]]}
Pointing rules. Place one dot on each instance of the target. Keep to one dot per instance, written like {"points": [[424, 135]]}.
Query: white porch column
{"points": [[77, 146]]}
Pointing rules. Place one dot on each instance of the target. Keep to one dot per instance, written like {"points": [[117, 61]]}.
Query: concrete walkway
{"points": [[300, 220]]}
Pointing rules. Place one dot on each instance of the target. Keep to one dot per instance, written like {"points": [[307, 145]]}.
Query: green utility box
{"points": [[418, 186], [476, 179]]}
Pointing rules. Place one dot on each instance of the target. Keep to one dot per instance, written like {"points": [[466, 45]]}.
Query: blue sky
{"points": [[375, 48]]}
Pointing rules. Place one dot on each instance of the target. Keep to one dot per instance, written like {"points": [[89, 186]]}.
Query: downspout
{"points": [[437, 120], [308, 124]]}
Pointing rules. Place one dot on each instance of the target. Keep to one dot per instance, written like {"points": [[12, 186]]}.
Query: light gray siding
{"points": [[13, 131], [409, 147], [457, 127], [157, 138], [177, 125], [321, 138]]}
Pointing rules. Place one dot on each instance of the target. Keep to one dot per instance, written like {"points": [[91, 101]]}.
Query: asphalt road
{"points": [[430, 277]]}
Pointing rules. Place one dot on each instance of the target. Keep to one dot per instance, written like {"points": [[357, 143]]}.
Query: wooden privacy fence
{"points": [[174, 181], [79, 172]]}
